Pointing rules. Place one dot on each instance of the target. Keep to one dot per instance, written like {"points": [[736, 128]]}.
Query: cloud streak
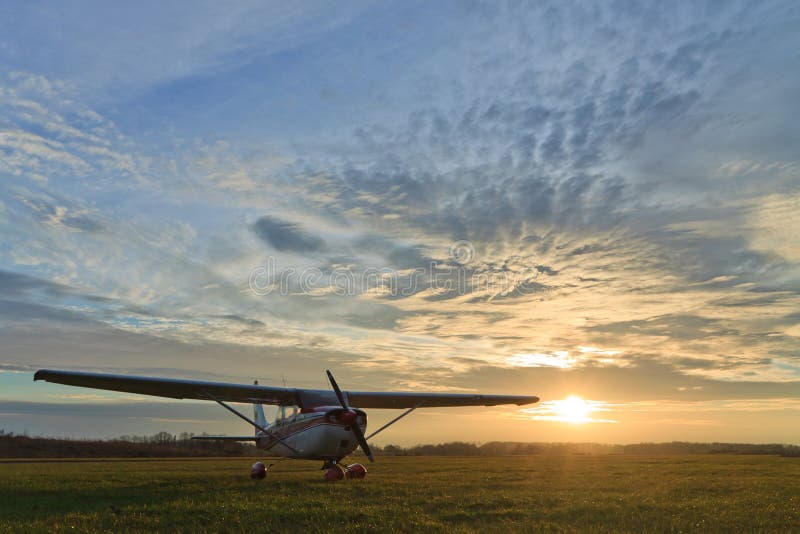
{"points": [[625, 170]]}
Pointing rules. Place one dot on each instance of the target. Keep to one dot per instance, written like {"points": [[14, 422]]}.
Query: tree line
{"points": [[164, 444], [159, 445], [502, 448]]}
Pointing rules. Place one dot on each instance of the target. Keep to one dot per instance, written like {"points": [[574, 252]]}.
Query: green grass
{"points": [[510, 494]]}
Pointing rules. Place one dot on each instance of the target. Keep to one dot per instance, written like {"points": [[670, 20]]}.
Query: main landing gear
{"points": [[334, 471], [258, 471]]}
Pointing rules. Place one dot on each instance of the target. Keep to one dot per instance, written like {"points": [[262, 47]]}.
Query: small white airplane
{"points": [[323, 425]]}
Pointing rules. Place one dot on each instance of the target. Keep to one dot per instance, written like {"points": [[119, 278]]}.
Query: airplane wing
{"points": [[196, 389], [369, 399], [171, 387]]}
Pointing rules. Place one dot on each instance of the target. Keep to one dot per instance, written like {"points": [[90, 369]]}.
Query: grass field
{"points": [[510, 494]]}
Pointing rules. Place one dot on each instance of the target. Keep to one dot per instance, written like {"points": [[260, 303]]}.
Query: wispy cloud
{"points": [[623, 179]]}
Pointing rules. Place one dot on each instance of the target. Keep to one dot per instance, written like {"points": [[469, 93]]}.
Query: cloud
{"points": [[624, 177], [138, 53], [16, 284], [285, 236], [61, 216], [46, 135], [244, 320]]}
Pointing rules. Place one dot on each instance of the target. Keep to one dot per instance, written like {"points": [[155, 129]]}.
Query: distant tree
{"points": [[791, 451], [163, 438], [392, 450]]}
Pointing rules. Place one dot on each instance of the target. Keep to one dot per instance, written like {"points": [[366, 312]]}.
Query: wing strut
{"points": [[242, 416], [396, 419]]}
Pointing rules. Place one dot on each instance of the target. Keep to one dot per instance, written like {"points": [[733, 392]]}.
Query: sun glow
{"points": [[573, 409]]}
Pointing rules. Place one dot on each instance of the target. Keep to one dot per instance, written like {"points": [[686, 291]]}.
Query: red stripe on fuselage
{"points": [[285, 430], [288, 430]]}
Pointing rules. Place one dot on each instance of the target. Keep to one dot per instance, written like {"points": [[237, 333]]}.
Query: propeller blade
{"points": [[338, 391], [362, 441]]}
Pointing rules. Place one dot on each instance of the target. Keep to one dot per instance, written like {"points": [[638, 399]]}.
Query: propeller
{"points": [[362, 441]]}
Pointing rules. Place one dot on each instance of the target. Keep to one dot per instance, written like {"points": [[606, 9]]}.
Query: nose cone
{"points": [[348, 418]]}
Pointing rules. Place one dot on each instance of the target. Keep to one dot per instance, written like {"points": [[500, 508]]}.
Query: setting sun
{"points": [[573, 409]]}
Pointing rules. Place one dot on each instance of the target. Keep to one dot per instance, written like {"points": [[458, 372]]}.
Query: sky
{"points": [[575, 200]]}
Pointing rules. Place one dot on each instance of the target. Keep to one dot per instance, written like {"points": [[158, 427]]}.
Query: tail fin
{"points": [[258, 414]]}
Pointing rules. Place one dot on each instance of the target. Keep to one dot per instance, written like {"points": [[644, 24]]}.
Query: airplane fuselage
{"points": [[322, 434]]}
